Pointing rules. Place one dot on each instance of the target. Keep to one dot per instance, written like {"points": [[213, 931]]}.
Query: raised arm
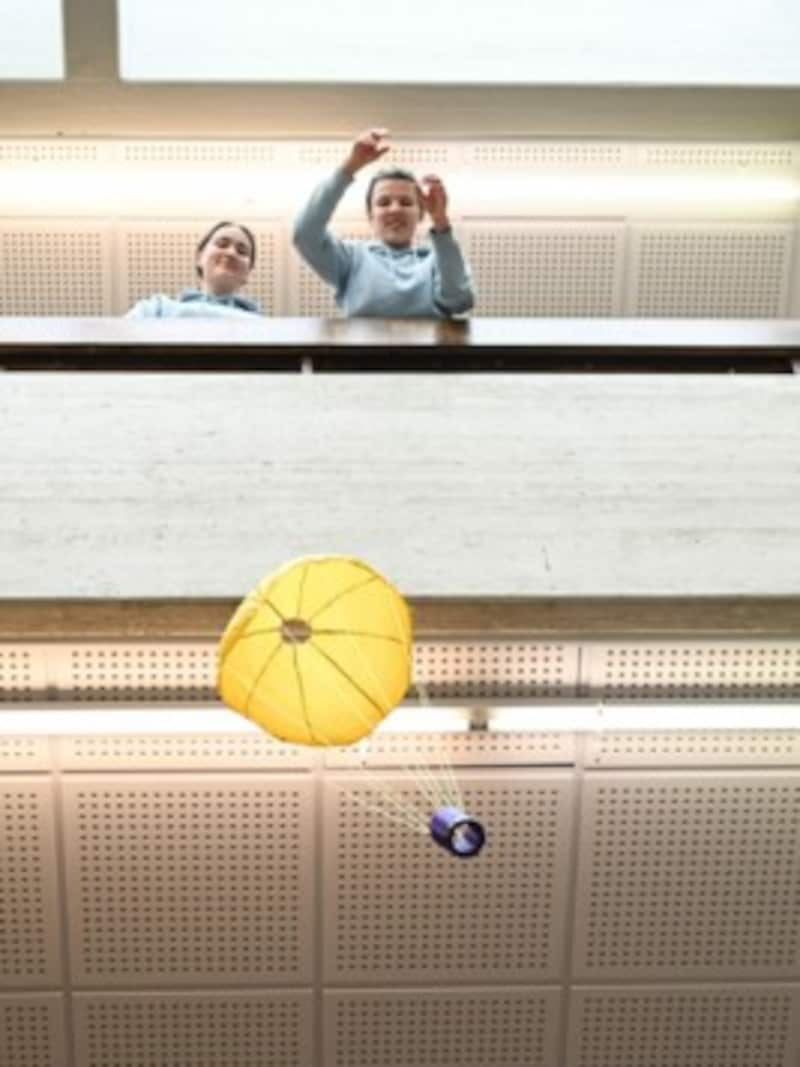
{"points": [[454, 293], [324, 252]]}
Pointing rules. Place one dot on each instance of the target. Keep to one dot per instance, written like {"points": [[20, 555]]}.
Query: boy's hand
{"points": [[367, 147]]}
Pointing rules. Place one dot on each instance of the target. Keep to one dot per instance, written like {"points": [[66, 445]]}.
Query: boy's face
{"points": [[395, 211]]}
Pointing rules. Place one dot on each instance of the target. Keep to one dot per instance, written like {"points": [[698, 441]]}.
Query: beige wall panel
{"points": [[189, 880], [170, 752], [237, 1029], [30, 930], [477, 748], [688, 875], [718, 270], [686, 748], [668, 1026], [513, 1027], [441, 927], [32, 1032], [55, 267]]}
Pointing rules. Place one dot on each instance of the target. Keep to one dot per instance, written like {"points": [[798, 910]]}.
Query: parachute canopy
{"points": [[318, 653]]}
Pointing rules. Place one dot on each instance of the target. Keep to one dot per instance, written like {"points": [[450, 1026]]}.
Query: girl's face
{"points": [[225, 262], [395, 211]]}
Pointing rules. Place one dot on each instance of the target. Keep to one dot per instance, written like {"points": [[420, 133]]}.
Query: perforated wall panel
{"points": [[686, 748], [711, 270], [195, 154], [194, 1029], [527, 155], [22, 672], [414, 155], [693, 670], [477, 749], [392, 917], [24, 753], [32, 1030], [442, 1028], [54, 267], [158, 256], [30, 953], [719, 156], [136, 671], [691, 1026], [196, 881], [567, 268], [502, 669], [688, 875], [308, 295], [165, 752], [49, 152]]}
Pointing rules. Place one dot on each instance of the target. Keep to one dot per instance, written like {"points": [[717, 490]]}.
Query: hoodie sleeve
{"points": [[453, 292], [152, 307], [324, 253]]}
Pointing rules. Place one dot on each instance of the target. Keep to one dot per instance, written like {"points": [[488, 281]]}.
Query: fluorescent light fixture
{"points": [[655, 715], [116, 720], [424, 719]]}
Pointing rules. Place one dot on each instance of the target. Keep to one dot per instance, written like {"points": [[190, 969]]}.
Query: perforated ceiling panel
{"points": [[654, 748], [32, 1030], [412, 155], [307, 293], [501, 669], [711, 271], [535, 155], [159, 257], [694, 1026], [24, 754], [55, 268], [477, 749], [190, 882], [22, 672], [688, 875], [442, 1028], [693, 670], [198, 153], [196, 1030], [381, 868], [555, 269], [136, 671], [181, 752], [29, 932], [49, 152], [719, 156]]}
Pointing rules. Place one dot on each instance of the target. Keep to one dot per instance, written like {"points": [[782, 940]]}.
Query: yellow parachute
{"points": [[318, 653]]}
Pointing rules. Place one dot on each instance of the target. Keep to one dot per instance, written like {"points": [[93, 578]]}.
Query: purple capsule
{"points": [[458, 832]]}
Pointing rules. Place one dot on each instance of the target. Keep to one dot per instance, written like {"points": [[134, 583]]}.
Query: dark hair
{"points": [[201, 244], [391, 174]]}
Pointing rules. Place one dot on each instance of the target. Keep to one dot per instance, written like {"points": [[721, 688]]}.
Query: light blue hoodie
{"points": [[194, 304], [372, 278]]}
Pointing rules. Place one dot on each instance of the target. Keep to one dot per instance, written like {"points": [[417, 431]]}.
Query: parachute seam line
{"points": [[345, 675], [259, 676], [358, 633], [345, 592], [301, 590], [342, 611], [268, 603], [301, 689]]}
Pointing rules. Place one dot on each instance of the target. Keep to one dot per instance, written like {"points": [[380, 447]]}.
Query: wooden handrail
{"points": [[294, 344]]}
